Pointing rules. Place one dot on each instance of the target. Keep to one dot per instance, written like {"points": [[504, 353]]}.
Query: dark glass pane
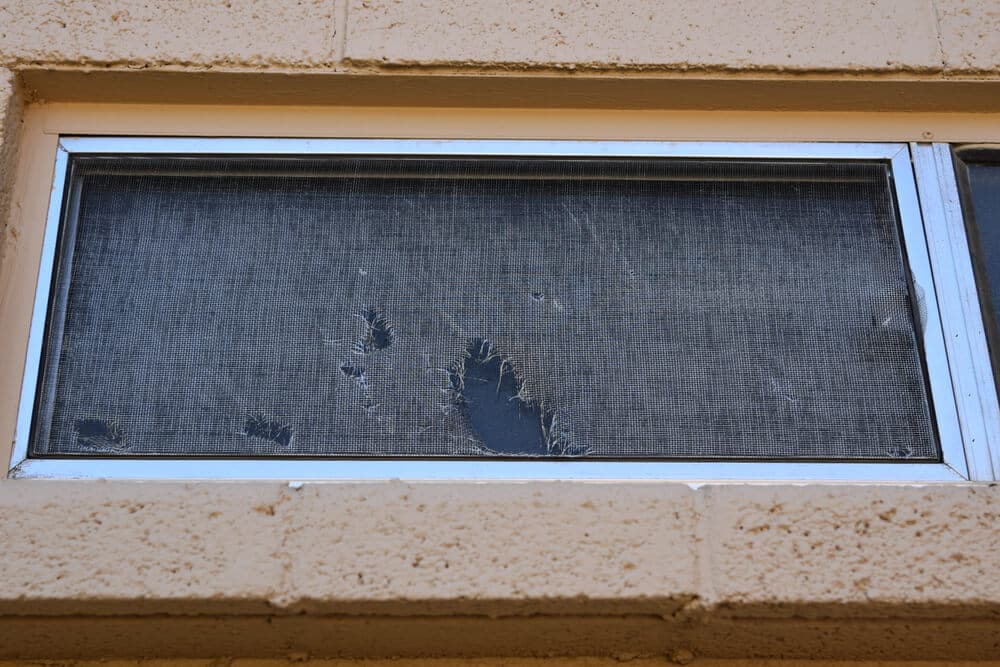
{"points": [[483, 307], [984, 186]]}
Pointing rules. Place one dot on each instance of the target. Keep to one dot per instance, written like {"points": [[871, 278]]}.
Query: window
{"points": [[358, 308]]}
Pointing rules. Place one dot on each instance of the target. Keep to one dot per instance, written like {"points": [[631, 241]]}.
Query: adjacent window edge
{"points": [[961, 314]]}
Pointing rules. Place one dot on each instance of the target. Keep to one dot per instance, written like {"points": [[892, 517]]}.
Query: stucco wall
{"points": [[104, 569], [837, 571], [926, 36], [10, 119]]}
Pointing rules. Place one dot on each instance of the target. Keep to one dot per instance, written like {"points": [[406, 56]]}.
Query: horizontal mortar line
{"points": [[679, 617], [581, 71]]}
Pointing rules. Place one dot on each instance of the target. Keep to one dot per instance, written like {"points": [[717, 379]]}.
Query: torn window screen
{"points": [[482, 307]]}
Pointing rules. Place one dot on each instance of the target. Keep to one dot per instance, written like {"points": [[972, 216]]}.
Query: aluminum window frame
{"points": [[948, 225], [964, 408]]}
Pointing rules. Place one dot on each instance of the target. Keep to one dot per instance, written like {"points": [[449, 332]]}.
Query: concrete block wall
{"points": [[126, 569], [951, 37]]}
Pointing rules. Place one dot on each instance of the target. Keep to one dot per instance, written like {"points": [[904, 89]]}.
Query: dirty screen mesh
{"points": [[482, 307]]}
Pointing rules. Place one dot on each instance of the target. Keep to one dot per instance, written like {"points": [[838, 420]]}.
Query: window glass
{"points": [[981, 174], [482, 307]]}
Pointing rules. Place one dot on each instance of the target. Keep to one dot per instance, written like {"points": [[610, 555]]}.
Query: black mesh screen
{"points": [[482, 307]]}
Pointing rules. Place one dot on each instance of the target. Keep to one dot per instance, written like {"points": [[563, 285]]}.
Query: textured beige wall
{"points": [[950, 36], [602, 548], [762, 34], [182, 32], [969, 33], [945, 36], [382, 569], [103, 569], [10, 120]]}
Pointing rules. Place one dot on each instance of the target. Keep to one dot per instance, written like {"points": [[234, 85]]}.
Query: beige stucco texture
{"points": [[853, 571], [10, 117], [654, 547], [970, 34], [180, 32], [770, 34], [952, 36], [547, 546], [731, 35]]}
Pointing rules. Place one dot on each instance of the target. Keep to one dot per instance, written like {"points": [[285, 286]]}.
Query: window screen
{"points": [[482, 307]]}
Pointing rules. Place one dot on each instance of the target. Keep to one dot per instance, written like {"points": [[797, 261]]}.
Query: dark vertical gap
{"points": [[980, 262]]}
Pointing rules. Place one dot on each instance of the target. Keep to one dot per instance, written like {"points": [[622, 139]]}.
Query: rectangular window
{"points": [[596, 309]]}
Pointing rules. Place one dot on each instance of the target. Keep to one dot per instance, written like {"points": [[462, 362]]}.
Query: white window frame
{"points": [[960, 377]]}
